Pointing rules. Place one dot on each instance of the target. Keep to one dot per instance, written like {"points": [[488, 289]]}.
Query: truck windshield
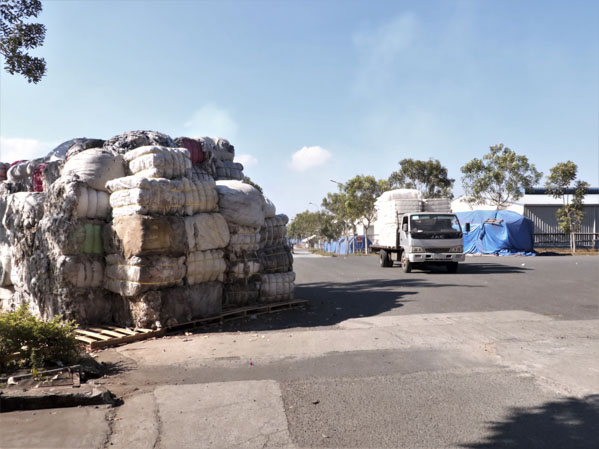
{"points": [[438, 223]]}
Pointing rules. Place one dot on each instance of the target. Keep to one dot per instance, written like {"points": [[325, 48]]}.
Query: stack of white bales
{"points": [[436, 205], [166, 232], [389, 206], [243, 207], [277, 280], [59, 266]]}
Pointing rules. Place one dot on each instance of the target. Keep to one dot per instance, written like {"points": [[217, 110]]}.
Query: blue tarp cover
{"points": [[356, 244], [513, 235]]}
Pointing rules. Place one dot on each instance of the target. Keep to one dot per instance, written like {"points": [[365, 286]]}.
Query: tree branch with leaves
{"points": [[499, 178], [16, 37], [429, 177], [561, 181]]}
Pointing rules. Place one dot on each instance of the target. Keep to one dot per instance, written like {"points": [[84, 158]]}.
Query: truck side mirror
{"points": [[404, 227], [467, 227]]}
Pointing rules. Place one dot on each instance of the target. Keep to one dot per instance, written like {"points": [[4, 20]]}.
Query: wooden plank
{"points": [[93, 334], [124, 330], [85, 339], [126, 339], [107, 332]]}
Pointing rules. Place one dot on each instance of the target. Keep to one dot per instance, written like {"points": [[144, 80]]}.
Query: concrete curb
{"points": [[12, 399]]}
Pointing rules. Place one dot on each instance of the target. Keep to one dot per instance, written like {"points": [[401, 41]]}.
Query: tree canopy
{"points": [[16, 37], [499, 178], [429, 177], [560, 182], [321, 224]]}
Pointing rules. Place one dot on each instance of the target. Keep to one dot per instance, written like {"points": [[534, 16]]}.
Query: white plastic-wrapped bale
{"points": [[135, 275], [80, 271], [73, 198], [147, 196], [77, 146], [277, 287], [243, 239], [274, 231], [192, 302], [206, 231], [437, 205], [270, 209], [5, 265], [201, 173], [72, 237], [159, 162], [228, 170], [175, 305], [144, 235], [276, 259], [240, 203], [135, 139], [95, 167], [241, 294], [205, 266], [243, 268]]}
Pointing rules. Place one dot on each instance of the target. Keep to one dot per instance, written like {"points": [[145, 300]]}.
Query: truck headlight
{"points": [[417, 249], [457, 249]]}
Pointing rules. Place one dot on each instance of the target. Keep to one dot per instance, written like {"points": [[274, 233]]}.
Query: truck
{"points": [[424, 238]]}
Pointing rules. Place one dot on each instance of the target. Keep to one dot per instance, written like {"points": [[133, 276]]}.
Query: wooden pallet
{"points": [[105, 336], [241, 312]]}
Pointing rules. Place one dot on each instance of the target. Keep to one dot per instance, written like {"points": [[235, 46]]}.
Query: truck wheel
{"points": [[406, 265], [385, 259], [452, 267]]}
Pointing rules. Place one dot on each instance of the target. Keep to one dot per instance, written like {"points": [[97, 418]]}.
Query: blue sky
{"points": [[316, 90]]}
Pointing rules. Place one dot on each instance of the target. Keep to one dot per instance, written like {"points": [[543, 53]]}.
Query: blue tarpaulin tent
{"points": [[500, 232], [356, 244]]}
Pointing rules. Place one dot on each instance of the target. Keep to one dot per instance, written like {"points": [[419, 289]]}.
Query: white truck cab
{"points": [[425, 238]]}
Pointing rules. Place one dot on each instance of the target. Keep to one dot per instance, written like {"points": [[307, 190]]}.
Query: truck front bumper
{"points": [[435, 257]]}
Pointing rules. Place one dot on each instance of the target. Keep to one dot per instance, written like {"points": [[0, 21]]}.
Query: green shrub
{"points": [[37, 342]]}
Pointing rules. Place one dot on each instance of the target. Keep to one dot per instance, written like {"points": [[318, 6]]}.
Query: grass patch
{"points": [[566, 251]]}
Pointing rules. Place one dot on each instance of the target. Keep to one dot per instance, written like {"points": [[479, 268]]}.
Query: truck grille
{"points": [[437, 250]]}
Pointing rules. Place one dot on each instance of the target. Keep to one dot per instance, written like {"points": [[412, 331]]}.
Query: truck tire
{"points": [[385, 259], [406, 265], [452, 267]]}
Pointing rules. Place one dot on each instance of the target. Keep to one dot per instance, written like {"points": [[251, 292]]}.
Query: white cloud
{"points": [[14, 149], [211, 120], [247, 160], [309, 157]]}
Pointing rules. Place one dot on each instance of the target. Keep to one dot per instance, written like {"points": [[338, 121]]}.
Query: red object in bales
{"points": [[17, 162], [195, 149], [38, 185]]}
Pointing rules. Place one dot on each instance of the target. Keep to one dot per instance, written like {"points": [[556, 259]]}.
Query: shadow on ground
{"points": [[330, 303], [570, 423]]}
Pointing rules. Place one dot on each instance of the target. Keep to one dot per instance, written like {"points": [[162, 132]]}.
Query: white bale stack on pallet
{"points": [[132, 230], [277, 280], [243, 207]]}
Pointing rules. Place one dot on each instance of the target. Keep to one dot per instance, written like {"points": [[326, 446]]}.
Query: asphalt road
{"points": [[564, 287], [502, 354]]}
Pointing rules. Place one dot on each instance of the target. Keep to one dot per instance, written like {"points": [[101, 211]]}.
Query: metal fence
{"points": [[559, 239]]}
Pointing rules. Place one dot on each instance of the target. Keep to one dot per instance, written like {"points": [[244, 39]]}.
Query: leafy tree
{"points": [[336, 205], [499, 177], [306, 224], [16, 37], [361, 194], [561, 183], [430, 177]]}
